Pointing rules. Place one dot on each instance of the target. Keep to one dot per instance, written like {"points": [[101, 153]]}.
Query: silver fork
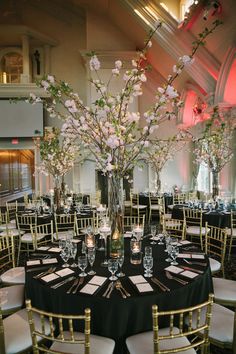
{"points": [[195, 262], [49, 271], [181, 281]]}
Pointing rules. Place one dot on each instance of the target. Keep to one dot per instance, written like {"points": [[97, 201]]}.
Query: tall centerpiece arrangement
{"points": [[161, 151], [57, 158], [214, 148], [108, 128]]}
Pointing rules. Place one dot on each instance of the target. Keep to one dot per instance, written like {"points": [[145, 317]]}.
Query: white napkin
{"points": [[34, 262], [49, 261], [184, 255], [64, 272], [174, 269], [89, 289], [97, 280], [189, 274], [184, 242], [137, 279], [198, 256], [50, 277], [43, 248], [144, 287], [55, 249]]}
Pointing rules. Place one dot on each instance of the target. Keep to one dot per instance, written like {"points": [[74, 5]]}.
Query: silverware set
{"points": [[63, 282], [162, 286], [192, 269], [116, 285], [195, 262], [181, 281], [109, 290], [42, 274], [77, 285]]}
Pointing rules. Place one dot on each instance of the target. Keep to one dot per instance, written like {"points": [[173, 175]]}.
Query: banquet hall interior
{"points": [[117, 176]]}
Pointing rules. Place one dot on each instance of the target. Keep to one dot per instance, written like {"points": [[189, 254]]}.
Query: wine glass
{"points": [[153, 233], [147, 264], [73, 253], [112, 267], [120, 260], [91, 259], [65, 255], [174, 253], [82, 263]]}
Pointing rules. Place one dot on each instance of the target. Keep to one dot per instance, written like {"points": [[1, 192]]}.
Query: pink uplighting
{"points": [[230, 87]]}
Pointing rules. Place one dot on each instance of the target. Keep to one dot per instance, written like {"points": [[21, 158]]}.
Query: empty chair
{"points": [[175, 337], [63, 338], [129, 221], [178, 199], [63, 224], [137, 208], [84, 223], [26, 240], [194, 225], [12, 208], [174, 227], [156, 206], [215, 248]]}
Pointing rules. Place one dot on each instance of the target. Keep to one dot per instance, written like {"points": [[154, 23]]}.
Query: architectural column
{"points": [[47, 59], [25, 77]]}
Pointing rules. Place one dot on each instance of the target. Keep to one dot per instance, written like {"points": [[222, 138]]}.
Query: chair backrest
{"points": [[61, 329], [179, 198], [83, 223], [37, 231], [24, 222], [7, 252], [232, 220], [215, 243], [175, 227], [156, 200], [65, 223], [177, 328], [133, 220], [134, 198], [12, 209], [3, 217], [192, 216]]}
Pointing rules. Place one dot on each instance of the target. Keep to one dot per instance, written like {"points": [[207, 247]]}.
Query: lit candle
{"points": [[90, 241], [136, 247]]}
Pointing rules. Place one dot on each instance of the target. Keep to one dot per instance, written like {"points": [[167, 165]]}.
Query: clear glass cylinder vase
{"points": [[116, 212], [215, 184], [57, 192]]}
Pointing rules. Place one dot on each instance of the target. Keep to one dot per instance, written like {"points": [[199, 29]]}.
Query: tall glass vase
{"points": [[215, 184], [115, 207], [158, 182], [57, 192]]}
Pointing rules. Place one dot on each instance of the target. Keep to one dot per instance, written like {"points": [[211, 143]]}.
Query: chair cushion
{"points": [[28, 237], [155, 207], [11, 232], [17, 331], [167, 216], [98, 345], [222, 323], [171, 206], [143, 343], [12, 297], [214, 265], [9, 226], [14, 276], [61, 235], [173, 223], [224, 289], [229, 230], [195, 230], [139, 206]]}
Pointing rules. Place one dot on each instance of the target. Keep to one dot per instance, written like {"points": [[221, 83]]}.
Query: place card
{"points": [[50, 277], [43, 248], [89, 289], [97, 280], [198, 256], [174, 269], [184, 242], [34, 262], [54, 249], [184, 255], [144, 287], [64, 272], [189, 274], [137, 279], [49, 261]]}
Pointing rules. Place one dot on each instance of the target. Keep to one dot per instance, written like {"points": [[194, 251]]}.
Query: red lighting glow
{"points": [[15, 141], [230, 87]]}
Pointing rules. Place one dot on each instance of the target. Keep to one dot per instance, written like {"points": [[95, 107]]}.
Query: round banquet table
{"points": [[116, 317], [214, 218]]}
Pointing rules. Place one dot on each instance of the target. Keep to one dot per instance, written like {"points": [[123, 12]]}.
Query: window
{"points": [[203, 179]]}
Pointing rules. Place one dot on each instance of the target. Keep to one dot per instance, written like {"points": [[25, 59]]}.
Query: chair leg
{"points": [[18, 255]]}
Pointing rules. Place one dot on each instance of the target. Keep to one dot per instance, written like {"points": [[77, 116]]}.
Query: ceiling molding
{"points": [[21, 90]]}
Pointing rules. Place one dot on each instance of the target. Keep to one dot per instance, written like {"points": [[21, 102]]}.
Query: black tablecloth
{"points": [[116, 317], [214, 218]]}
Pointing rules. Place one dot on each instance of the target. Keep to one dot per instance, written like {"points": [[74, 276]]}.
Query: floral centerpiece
{"points": [[57, 158], [214, 147], [108, 128]]}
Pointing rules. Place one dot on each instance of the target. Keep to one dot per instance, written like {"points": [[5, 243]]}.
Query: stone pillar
{"points": [[25, 77], [47, 59]]}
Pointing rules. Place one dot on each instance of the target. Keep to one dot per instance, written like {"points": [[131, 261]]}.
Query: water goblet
{"points": [[147, 264], [148, 251], [62, 243], [161, 237], [65, 255], [113, 267], [82, 264], [91, 259], [73, 253], [153, 233], [174, 253], [120, 260]]}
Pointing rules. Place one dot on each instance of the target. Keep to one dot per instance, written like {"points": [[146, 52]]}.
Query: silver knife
{"points": [[192, 269], [55, 286], [107, 290]]}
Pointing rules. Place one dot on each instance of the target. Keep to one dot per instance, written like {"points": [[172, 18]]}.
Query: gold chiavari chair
{"points": [[5, 223], [175, 227], [178, 199], [177, 337], [67, 340], [41, 234], [24, 224], [231, 232], [215, 248], [12, 208], [11, 297], [156, 206], [63, 224], [194, 225], [129, 221], [84, 223], [137, 208]]}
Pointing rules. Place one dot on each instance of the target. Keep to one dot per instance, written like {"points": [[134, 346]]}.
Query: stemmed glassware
{"points": [[174, 253], [147, 264], [113, 267], [120, 260], [153, 233], [104, 230], [82, 264], [65, 255], [73, 253], [91, 259]]}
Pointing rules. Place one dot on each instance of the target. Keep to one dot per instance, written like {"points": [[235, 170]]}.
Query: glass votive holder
{"points": [[138, 232], [136, 254], [90, 240]]}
